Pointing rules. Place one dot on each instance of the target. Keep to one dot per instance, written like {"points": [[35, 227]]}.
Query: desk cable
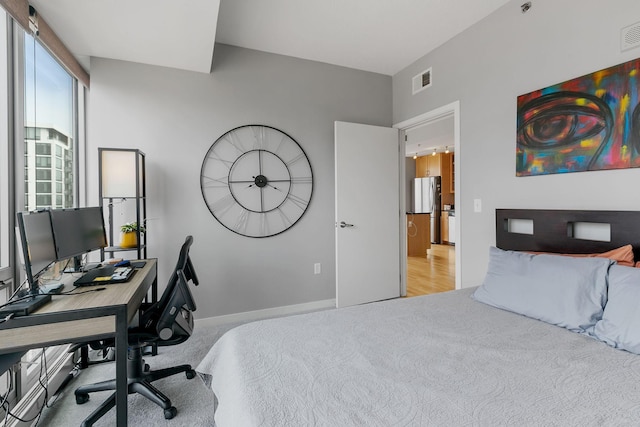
{"points": [[4, 404]]}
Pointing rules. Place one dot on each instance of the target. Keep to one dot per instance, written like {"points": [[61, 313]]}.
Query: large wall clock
{"points": [[256, 181]]}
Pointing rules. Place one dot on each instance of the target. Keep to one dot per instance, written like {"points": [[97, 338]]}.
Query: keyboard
{"points": [[105, 275], [121, 273]]}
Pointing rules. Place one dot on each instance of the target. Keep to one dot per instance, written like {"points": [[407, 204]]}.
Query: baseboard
{"points": [[249, 316]]}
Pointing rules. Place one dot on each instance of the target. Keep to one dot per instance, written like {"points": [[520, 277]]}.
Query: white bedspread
{"points": [[439, 360]]}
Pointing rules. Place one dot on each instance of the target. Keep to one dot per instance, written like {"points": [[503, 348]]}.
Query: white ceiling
{"points": [[176, 34], [437, 134], [381, 36]]}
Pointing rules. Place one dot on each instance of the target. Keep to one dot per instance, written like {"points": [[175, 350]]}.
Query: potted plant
{"points": [[130, 235]]}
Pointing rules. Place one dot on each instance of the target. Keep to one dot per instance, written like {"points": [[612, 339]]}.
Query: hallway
{"points": [[433, 273]]}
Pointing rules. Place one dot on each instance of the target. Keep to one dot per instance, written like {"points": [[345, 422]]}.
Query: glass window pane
{"points": [[49, 127], [42, 174], [43, 201], [43, 148], [43, 187], [43, 161]]}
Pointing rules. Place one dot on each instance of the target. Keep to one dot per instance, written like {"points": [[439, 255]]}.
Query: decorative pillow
{"points": [[620, 324], [622, 255], [564, 291]]}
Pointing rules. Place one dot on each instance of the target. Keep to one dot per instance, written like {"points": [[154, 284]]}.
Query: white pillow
{"points": [[620, 324], [564, 291]]}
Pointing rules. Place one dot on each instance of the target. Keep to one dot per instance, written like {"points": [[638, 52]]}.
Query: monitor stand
{"points": [[25, 307]]}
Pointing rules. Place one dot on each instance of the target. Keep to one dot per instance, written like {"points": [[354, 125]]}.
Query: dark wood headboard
{"points": [[553, 230]]}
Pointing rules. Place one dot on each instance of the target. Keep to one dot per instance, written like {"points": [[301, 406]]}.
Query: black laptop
{"points": [[105, 275]]}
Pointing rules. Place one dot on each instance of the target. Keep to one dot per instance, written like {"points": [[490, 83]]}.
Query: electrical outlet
{"points": [[317, 268]]}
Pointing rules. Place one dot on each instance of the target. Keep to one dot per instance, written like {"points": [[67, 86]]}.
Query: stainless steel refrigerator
{"points": [[426, 199]]}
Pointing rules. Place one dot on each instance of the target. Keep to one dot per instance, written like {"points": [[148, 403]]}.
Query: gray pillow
{"points": [[620, 324], [564, 291]]}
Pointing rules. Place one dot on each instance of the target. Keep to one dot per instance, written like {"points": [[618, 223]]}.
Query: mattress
{"points": [[434, 360]]}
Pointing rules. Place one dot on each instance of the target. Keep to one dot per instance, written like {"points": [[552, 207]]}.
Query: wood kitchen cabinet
{"points": [[418, 234], [428, 166], [444, 227], [446, 169]]}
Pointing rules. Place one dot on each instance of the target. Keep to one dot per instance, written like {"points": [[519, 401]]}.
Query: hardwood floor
{"points": [[433, 273]]}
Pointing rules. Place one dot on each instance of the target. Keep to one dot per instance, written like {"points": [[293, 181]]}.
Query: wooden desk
{"points": [[86, 317]]}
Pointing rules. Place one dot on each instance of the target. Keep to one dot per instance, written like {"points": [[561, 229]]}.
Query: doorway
{"points": [[436, 131]]}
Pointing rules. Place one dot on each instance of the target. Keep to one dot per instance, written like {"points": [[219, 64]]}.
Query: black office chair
{"points": [[167, 322]]}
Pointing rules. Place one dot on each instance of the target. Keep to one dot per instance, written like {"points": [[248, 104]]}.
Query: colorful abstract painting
{"points": [[587, 123]]}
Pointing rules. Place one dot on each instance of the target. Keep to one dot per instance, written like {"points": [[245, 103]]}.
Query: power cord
{"points": [[5, 398], [8, 317], [26, 297], [73, 292], [5, 402]]}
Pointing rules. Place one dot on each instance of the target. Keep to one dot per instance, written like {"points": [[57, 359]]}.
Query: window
{"points": [[6, 182], [43, 161], [49, 123], [31, 133], [43, 201], [41, 174], [43, 187], [38, 121], [43, 148], [49, 143]]}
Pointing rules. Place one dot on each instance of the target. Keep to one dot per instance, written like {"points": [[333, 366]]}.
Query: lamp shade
{"points": [[118, 168]]}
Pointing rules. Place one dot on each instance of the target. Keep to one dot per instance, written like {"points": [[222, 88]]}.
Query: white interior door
{"points": [[367, 213]]}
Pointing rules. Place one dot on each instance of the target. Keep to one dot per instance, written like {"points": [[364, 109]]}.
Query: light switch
{"points": [[477, 205]]}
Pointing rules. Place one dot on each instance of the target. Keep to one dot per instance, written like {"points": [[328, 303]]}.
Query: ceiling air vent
{"points": [[630, 37], [422, 81]]}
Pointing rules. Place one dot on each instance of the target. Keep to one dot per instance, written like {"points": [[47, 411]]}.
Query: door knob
{"points": [[345, 225]]}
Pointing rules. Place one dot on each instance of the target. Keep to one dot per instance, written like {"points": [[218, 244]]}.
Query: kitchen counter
{"points": [[418, 234]]}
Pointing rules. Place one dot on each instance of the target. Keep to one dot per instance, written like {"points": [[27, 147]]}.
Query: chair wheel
{"points": [[190, 374], [170, 413], [82, 398]]}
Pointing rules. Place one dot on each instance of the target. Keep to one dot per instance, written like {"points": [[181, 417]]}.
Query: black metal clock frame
{"points": [[282, 199]]}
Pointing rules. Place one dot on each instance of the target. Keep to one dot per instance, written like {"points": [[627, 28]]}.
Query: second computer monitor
{"points": [[78, 231], [37, 241]]}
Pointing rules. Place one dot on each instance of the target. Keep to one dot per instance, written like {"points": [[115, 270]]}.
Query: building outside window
{"points": [[49, 140]]}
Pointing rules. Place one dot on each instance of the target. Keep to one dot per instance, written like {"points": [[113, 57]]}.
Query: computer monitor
{"points": [[38, 244], [78, 231], [38, 253]]}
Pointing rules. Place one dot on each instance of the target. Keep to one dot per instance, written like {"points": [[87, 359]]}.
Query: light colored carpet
{"points": [[192, 398]]}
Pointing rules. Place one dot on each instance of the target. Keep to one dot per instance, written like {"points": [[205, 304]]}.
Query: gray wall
{"points": [[175, 116], [486, 68]]}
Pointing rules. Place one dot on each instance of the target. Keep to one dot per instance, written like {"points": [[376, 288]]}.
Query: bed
{"points": [[450, 359]]}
